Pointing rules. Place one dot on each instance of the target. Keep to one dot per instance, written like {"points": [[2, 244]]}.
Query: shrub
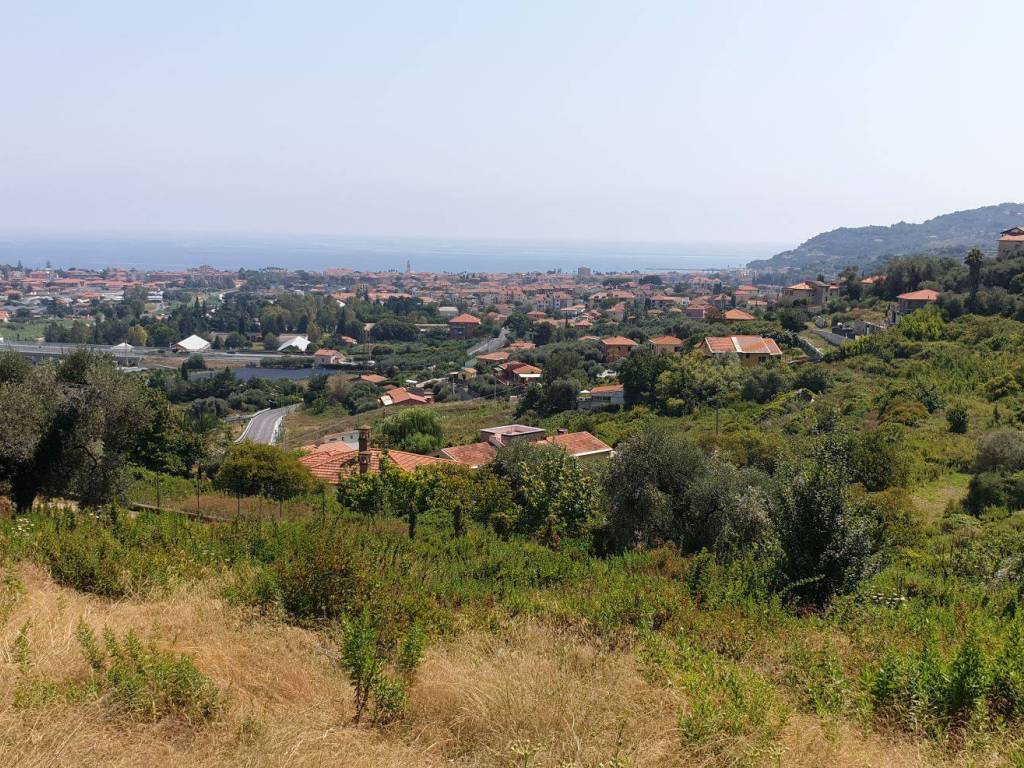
{"points": [[929, 691], [957, 418], [142, 682], [732, 715], [1001, 449], [826, 543], [135, 681], [812, 377], [366, 662]]}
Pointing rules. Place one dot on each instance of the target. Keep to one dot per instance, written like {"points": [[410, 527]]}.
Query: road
{"points": [[264, 427], [59, 350]]}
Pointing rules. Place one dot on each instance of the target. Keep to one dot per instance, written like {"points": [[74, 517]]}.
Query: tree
{"points": [[826, 543], [793, 319], [413, 429], [639, 375], [646, 486], [68, 428], [14, 367], [974, 261], [137, 336], [250, 469]]}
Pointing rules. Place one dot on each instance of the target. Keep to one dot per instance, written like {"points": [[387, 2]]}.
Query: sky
{"points": [[653, 120]]}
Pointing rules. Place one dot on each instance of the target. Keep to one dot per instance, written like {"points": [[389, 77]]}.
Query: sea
{"points": [[370, 253]]}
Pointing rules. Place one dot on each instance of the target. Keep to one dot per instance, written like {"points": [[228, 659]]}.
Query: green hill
{"points": [[860, 246]]}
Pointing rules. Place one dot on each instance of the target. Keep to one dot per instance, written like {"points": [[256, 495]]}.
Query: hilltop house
{"points": [[1011, 243]]}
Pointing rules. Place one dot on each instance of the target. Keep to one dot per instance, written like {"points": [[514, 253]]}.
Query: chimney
{"points": [[364, 449]]}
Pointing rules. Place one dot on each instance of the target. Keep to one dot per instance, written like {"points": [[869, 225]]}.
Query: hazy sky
{"points": [[656, 120]]}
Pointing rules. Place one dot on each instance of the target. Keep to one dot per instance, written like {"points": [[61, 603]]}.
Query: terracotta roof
{"points": [[618, 341], [494, 357], [326, 353], [579, 443], [464, 319], [373, 378], [330, 461], [666, 341], [606, 388], [743, 345], [402, 396], [472, 455], [925, 294], [738, 314]]}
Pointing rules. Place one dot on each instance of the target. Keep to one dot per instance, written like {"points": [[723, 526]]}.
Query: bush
{"points": [[144, 683], [826, 543], [414, 429], [135, 681], [957, 418], [366, 662], [1001, 449], [732, 715], [929, 691]]}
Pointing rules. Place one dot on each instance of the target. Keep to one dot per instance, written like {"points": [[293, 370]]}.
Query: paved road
{"points": [[56, 349], [264, 427]]}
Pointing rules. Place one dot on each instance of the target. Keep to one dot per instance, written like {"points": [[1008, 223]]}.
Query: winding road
{"points": [[264, 427]]}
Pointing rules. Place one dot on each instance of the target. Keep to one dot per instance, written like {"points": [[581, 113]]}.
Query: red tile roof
{"points": [[618, 341], [926, 294], [607, 388], [472, 455], [464, 319], [579, 444], [738, 314], [330, 461], [666, 341], [744, 345]]}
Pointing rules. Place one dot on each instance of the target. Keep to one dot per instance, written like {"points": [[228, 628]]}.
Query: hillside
{"points": [[860, 246]]}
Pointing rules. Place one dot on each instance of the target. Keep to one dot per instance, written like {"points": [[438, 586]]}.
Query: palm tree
{"points": [[975, 258]]}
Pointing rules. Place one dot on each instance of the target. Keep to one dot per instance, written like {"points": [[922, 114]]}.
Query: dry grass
{"points": [[531, 696]]}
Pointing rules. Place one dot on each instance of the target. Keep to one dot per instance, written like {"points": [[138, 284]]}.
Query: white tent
{"points": [[192, 344], [300, 343]]}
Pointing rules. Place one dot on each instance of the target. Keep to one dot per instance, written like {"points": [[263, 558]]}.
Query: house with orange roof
{"points": [[327, 357], [913, 300], [665, 344], [334, 460], [462, 326], [517, 372], [738, 316], [750, 349], [400, 397], [617, 347], [1011, 243], [601, 396]]}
